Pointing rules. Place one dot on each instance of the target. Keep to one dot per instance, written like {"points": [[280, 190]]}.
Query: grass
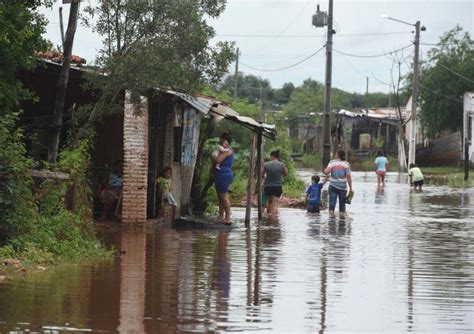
{"points": [[451, 176]]}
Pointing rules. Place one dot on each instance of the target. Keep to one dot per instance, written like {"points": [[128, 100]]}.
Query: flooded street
{"points": [[401, 261]]}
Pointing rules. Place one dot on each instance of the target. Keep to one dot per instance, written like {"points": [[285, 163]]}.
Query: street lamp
{"points": [[415, 89]]}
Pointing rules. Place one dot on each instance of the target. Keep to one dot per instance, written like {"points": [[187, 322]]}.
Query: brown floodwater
{"points": [[401, 261]]}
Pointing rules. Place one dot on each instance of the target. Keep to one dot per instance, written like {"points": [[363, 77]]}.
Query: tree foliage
{"points": [[21, 27], [159, 44], [446, 76]]}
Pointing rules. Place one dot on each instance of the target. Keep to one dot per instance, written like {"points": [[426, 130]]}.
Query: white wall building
{"points": [[468, 125]]}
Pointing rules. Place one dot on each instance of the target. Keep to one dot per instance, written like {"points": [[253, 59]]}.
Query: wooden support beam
{"points": [[46, 174], [248, 208], [259, 173]]}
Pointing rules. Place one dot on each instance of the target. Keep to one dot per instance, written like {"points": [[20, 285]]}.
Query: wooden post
{"points": [[259, 173], [61, 90], [466, 159], [248, 208]]}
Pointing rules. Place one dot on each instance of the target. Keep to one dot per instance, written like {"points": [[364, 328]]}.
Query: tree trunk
{"points": [[62, 84]]}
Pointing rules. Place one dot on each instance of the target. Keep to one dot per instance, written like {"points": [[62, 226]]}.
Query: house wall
{"points": [[135, 164], [469, 125], [174, 138]]}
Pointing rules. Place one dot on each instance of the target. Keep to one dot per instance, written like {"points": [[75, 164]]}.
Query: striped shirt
{"points": [[338, 170]]}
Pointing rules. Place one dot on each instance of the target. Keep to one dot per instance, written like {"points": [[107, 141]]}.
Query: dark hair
{"points": [[380, 153], [275, 154], [315, 178], [341, 154], [226, 136], [412, 165], [167, 169]]}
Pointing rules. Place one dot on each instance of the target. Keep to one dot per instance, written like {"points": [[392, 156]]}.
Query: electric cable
{"points": [[286, 67], [371, 56], [454, 72], [312, 36], [441, 94]]}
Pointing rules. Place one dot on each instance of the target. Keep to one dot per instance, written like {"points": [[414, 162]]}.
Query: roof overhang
{"points": [[220, 110]]}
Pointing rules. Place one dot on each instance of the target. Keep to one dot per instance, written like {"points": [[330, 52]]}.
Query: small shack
{"points": [[365, 130], [164, 131]]}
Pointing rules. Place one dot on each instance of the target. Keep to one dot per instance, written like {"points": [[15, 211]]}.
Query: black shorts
{"points": [[418, 183], [273, 191], [313, 208]]}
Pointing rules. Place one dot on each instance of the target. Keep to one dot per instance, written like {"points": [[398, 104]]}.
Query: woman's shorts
{"points": [[222, 182], [381, 172], [418, 183], [273, 191]]}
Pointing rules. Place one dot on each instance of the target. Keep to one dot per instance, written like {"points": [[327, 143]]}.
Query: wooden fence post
{"points": [[248, 208]]}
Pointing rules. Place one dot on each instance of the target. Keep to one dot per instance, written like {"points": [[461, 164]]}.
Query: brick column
{"points": [[135, 164]]}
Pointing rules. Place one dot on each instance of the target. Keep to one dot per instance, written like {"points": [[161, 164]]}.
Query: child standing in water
{"points": [[381, 163], [416, 177], [313, 194], [165, 185]]}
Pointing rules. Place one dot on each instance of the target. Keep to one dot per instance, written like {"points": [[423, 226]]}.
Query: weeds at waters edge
{"points": [[36, 224]]}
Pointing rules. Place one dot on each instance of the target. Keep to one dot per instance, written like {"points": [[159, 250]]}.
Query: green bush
{"points": [[37, 220], [17, 208]]}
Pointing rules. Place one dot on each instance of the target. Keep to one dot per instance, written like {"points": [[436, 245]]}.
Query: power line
{"points": [[286, 67], [441, 94], [454, 72], [310, 35], [371, 56], [445, 44]]}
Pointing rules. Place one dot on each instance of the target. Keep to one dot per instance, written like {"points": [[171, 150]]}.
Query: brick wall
{"points": [[135, 164]]}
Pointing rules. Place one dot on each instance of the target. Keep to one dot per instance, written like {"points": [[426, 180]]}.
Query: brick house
{"points": [[164, 133]]}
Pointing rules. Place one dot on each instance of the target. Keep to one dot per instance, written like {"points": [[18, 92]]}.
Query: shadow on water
{"points": [[401, 261]]}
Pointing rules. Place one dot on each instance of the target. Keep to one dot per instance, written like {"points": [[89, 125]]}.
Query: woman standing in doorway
{"points": [[273, 172], [223, 177], [339, 171]]}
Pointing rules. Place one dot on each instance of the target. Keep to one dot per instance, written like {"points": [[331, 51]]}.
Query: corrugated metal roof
{"points": [[221, 111], [200, 103], [268, 130]]}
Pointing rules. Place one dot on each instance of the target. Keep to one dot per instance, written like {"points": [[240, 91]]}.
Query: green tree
{"points": [[159, 44], [21, 27], [248, 87], [445, 77], [282, 96]]}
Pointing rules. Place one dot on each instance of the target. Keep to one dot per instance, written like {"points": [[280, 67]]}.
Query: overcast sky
{"points": [[360, 30]]}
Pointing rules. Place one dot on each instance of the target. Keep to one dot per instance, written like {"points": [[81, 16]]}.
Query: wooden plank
{"points": [[248, 208], [198, 223], [259, 174], [46, 174]]}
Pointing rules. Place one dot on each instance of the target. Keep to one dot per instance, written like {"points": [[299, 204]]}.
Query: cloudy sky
{"points": [[274, 34]]}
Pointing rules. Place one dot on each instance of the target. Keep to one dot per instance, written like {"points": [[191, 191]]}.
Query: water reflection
{"points": [[399, 262], [132, 281], [380, 195]]}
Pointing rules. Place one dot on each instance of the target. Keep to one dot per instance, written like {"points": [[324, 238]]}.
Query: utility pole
{"points": [[62, 84], [321, 19], [236, 75], [327, 99], [61, 26], [260, 104], [367, 93], [414, 103]]}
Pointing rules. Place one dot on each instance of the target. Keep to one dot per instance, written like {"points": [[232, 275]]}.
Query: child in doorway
{"points": [[416, 177], [220, 149], [313, 194], [165, 186]]}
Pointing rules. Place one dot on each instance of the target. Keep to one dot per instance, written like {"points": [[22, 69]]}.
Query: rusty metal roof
{"points": [[220, 110], [200, 103]]}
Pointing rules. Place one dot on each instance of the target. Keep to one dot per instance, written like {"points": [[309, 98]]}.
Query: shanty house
{"points": [[165, 132]]}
